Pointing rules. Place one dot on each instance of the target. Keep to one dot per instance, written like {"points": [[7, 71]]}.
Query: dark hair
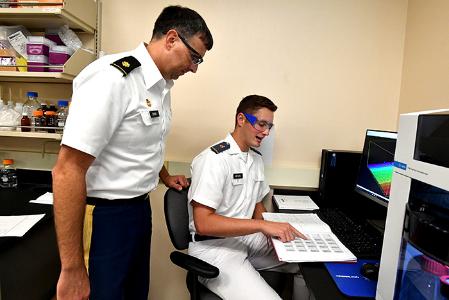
{"points": [[185, 21], [250, 104]]}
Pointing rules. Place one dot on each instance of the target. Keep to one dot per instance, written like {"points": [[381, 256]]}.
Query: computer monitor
{"points": [[376, 166]]}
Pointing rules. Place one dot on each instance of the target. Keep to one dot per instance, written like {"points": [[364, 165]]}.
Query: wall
{"points": [[425, 80], [333, 68]]}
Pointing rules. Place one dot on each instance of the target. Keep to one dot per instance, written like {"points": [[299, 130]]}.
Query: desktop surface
{"points": [[29, 265]]}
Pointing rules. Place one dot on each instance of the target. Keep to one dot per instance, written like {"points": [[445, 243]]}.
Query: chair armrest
{"points": [[194, 265]]}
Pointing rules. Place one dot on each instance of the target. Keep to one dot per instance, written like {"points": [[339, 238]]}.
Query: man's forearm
{"points": [[163, 174], [217, 225], [69, 192], [259, 210]]}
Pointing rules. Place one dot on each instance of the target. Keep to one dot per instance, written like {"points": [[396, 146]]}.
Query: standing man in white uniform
{"points": [[226, 209], [112, 156]]}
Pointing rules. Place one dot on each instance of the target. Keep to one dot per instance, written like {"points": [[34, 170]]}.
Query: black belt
{"points": [[199, 238], [102, 201]]}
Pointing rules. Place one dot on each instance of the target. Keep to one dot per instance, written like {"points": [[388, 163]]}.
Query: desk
{"points": [[315, 274], [29, 265]]}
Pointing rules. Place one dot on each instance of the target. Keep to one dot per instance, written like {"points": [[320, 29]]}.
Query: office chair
{"points": [[177, 220]]}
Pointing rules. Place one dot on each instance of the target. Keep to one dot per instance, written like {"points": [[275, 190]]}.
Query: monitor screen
{"points": [[376, 166]]}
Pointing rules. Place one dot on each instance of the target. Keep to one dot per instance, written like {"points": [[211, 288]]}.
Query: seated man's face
{"points": [[255, 130]]}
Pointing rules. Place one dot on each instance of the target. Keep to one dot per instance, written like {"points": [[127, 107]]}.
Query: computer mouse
{"points": [[370, 271]]}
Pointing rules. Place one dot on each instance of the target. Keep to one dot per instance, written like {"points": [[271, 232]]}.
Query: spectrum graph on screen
{"points": [[383, 174], [380, 164]]}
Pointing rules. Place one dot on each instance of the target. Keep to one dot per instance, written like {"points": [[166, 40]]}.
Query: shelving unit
{"points": [[80, 16], [34, 135], [72, 67]]}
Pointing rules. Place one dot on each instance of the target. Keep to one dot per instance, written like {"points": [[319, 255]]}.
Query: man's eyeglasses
{"points": [[259, 125], [195, 56]]}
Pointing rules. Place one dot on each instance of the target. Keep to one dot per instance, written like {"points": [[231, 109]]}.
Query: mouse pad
{"points": [[349, 281]]}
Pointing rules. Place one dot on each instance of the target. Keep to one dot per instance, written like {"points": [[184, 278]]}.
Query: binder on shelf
{"points": [[294, 204]]}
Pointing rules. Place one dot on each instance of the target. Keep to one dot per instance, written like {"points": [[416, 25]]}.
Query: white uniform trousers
{"points": [[238, 260]]}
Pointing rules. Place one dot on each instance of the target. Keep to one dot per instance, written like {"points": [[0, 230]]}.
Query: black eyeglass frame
{"points": [[196, 58]]}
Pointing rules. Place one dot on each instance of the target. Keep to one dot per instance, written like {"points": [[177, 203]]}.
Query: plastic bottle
{"points": [[52, 107], [51, 120], [8, 174], [25, 121], [62, 114], [43, 107], [31, 104], [19, 107], [38, 120], [11, 104]]}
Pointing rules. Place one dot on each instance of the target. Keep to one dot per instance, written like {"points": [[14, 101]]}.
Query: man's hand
{"points": [[73, 285], [282, 231], [176, 181]]}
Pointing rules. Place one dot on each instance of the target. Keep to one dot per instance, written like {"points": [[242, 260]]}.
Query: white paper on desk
{"points": [[46, 198], [295, 202], [17, 225], [321, 245]]}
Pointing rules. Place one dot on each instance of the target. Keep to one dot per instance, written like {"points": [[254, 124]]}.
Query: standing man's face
{"points": [[184, 58]]}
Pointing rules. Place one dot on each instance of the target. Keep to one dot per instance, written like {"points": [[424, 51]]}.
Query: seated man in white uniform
{"points": [[226, 209]]}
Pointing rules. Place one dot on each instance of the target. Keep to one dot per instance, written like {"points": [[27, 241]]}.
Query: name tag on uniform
{"points": [[154, 113], [237, 176]]}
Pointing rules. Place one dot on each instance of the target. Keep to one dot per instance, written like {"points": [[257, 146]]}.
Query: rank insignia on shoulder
{"points": [[218, 148], [126, 64], [256, 151]]}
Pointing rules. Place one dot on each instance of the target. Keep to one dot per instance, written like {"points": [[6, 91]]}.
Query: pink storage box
{"points": [[37, 63], [52, 35], [54, 38], [39, 45], [59, 55]]}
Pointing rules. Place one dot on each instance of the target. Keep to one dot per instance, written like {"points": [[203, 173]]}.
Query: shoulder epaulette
{"points": [[218, 148], [126, 64], [256, 151]]}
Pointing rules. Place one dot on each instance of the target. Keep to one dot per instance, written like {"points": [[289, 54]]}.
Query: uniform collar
{"points": [[151, 74], [235, 149]]}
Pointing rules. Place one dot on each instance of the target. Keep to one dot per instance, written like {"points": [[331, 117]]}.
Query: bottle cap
{"points": [[38, 113], [63, 103], [8, 161], [32, 94]]}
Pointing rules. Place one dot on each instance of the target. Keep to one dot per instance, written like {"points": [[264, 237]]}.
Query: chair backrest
{"points": [[177, 217]]}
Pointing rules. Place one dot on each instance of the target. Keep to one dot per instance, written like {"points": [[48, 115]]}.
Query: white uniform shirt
{"points": [[228, 182], [110, 119]]}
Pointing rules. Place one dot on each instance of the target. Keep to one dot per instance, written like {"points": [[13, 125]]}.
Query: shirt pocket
{"points": [[236, 182], [257, 185]]}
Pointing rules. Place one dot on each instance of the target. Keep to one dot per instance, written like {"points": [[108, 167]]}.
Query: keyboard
{"points": [[362, 240]]}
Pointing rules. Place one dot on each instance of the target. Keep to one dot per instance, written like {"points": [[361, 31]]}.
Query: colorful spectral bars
{"points": [[383, 174]]}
